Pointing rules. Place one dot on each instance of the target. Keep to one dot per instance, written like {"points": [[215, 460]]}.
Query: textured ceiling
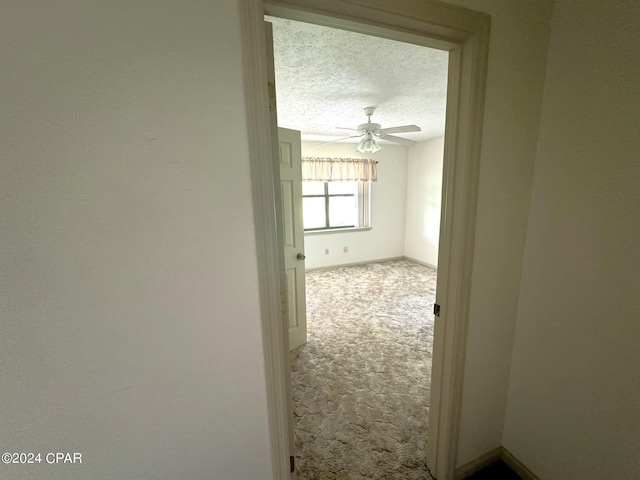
{"points": [[325, 77]]}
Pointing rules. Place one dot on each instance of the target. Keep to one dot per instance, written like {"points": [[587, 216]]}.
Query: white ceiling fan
{"points": [[371, 132]]}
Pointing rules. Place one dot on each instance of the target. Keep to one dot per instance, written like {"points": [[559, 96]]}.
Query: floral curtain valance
{"points": [[322, 169]]}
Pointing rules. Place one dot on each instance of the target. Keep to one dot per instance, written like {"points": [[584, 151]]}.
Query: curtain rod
{"points": [[339, 158]]}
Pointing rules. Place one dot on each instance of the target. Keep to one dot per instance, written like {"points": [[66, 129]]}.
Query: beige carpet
{"points": [[361, 383]]}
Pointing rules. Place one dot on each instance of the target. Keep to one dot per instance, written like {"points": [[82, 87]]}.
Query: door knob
{"points": [[300, 256]]}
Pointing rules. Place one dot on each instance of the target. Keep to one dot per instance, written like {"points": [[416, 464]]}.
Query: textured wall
{"points": [[129, 308], [573, 408]]}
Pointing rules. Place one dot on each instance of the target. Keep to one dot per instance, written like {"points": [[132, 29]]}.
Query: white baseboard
{"points": [[415, 260], [378, 260], [366, 262], [493, 456]]}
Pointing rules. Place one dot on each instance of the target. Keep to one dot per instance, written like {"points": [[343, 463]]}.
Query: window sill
{"points": [[337, 230]]}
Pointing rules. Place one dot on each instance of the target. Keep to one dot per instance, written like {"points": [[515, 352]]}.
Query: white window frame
{"points": [[363, 195]]}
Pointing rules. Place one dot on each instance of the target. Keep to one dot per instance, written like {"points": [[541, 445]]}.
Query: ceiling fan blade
{"points": [[345, 128], [339, 140], [402, 129], [400, 140]]}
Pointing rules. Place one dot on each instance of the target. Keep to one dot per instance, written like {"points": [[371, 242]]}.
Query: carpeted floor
{"points": [[361, 383]]}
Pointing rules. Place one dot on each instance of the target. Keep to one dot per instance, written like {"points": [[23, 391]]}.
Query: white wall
{"points": [[388, 200], [573, 408], [129, 301], [517, 54], [424, 200]]}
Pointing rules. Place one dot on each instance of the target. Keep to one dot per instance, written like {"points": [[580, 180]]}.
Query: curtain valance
{"points": [[323, 169]]}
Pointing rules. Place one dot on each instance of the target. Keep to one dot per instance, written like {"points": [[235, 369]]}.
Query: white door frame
{"points": [[465, 35]]}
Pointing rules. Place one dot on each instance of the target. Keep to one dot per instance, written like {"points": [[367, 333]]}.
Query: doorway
{"points": [[337, 418], [465, 35]]}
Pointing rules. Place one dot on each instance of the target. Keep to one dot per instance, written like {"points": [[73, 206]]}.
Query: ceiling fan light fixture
{"points": [[370, 132], [368, 145]]}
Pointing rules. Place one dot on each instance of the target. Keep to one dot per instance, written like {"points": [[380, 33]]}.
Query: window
{"points": [[335, 205], [336, 192]]}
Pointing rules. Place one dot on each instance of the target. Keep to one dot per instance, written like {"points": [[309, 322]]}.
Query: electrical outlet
{"points": [[326, 251], [345, 249]]}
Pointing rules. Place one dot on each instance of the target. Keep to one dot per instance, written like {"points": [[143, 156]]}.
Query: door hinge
{"points": [[436, 309], [283, 303], [272, 96], [292, 463]]}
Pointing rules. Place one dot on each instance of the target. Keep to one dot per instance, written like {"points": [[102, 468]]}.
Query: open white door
{"points": [[287, 177], [290, 158]]}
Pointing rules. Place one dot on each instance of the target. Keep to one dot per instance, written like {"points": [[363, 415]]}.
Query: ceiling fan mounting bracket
{"points": [[368, 111]]}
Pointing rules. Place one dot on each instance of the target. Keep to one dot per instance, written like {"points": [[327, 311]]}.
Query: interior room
{"points": [[325, 78], [405, 207], [137, 322], [370, 325]]}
